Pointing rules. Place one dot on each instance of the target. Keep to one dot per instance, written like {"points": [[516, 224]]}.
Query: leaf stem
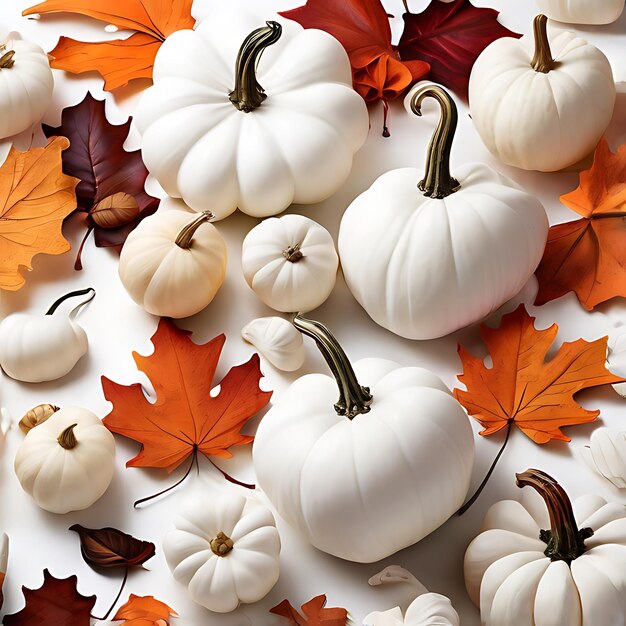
{"points": [[230, 479], [117, 597], [386, 132], [78, 263], [406, 6]]}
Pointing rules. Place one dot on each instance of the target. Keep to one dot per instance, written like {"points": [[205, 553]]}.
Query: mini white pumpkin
{"points": [[36, 348], [277, 340], [290, 262], [606, 455], [174, 262], [372, 473], [551, 564], [225, 548], [26, 85], [67, 462], [541, 103], [582, 11], [427, 258], [219, 138], [616, 358]]}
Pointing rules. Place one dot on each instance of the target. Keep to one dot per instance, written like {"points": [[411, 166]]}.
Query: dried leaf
{"points": [[588, 256], [144, 611], [115, 210], [35, 198], [314, 613], [37, 415], [121, 60], [56, 603]]}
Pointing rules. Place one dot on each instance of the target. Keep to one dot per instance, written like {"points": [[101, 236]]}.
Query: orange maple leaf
{"points": [[35, 198], [314, 613], [144, 611], [185, 419], [588, 256], [120, 60]]}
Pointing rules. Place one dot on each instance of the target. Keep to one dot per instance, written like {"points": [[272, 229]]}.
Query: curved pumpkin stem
{"points": [[185, 236], [542, 59], [72, 294], [6, 58]]}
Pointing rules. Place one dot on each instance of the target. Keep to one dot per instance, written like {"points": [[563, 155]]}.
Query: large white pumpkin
{"points": [[582, 11], [219, 138], [373, 473], [426, 254], [549, 564], [67, 462], [541, 103]]}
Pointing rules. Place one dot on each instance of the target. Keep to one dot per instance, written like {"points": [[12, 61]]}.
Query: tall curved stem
{"points": [[72, 294], [185, 236], [542, 59]]}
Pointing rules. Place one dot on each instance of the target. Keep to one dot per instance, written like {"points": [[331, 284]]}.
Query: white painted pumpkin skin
{"points": [[290, 262], [25, 86], [364, 488], [582, 11], [169, 279], [526, 117], [297, 146], [61, 480], [246, 573], [515, 584]]}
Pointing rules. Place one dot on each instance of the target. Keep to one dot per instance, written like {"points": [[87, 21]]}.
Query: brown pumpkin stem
{"points": [[564, 540], [248, 94], [67, 439], [72, 294], [185, 236], [353, 398], [6, 60], [293, 253], [222, 544], [542, 59], [437, 181]]}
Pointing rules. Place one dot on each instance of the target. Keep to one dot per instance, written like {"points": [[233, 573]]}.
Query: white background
{"points": [[116, 327]]}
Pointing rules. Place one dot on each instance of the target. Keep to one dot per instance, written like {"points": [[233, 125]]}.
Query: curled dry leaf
{"points": [[144, 611], [37, 415], [314, 613]]}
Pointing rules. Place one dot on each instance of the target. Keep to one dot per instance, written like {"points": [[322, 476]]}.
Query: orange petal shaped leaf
{"points": [[314, 613], [144, 611]]}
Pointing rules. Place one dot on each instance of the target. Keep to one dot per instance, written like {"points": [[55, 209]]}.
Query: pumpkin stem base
{"points": [[293, 254], [222, 544], [542, 60]]}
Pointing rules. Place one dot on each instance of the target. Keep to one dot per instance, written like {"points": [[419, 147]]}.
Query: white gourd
{"points": [[290, 262], [251, 118], [35, 348], [582, 11], [616, 358], [67, 462], [225, 548], [277, 340], [528, 95], [550, 562], [425, 253], [606, 455], [374, 472], [174, 262], [26, 85]]}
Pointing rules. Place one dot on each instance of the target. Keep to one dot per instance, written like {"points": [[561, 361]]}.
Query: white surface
{"points": [[116, 327]]}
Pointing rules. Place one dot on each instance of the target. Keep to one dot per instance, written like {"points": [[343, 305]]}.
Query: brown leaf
{"points": [[314, 613], [144, 611], [115, 211], [37, 415]]}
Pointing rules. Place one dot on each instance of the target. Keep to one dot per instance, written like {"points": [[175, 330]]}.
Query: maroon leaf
{"points": [[450, 37], [97, 157], [56, 603]]}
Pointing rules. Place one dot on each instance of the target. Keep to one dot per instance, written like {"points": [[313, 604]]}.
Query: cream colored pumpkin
{"points": [[543, 102], [67, 462], [174, 262], [582, 11]]}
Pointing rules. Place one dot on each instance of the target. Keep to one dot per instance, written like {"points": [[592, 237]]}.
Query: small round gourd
{"points": [[550, 563], [541, 103], [225, 548], [26, 85], [35, 348], [290, 262], [251, 118], [174, 262], [374, 472], [67, 462], [426, 254], [582, 11]]}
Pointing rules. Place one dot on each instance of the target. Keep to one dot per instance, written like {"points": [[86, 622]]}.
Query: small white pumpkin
{"points": [[277, 340], [67, 462], [372, 473], [551, 564], [616, 358], [26, 85], [225, 548], [219, 138], [290, 262], [174, 262], [427, 258], [582, 11], [541, 103], [606, 455], [36, 348]]}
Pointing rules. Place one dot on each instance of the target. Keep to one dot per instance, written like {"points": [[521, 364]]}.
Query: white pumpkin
{"points": [[582, 11], [36, 348], [278, 341], [616, 358], [551, 564], [174, 262], [606, 455], [425, 259], [290, 262], [67, 462], [225, 548], [373, 473], [541, 103], [26, 85]]}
